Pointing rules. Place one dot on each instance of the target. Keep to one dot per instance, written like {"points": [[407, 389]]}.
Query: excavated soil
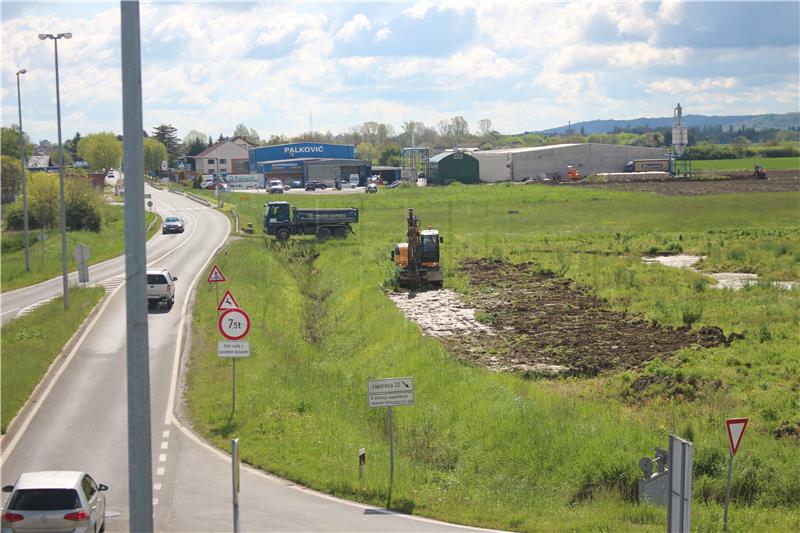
{"points": [[544, 325], [777, 181]]}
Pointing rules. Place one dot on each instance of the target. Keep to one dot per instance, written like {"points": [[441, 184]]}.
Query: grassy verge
{"points": [[32, 342], [769, 163], [501, 450], [45, 257]]}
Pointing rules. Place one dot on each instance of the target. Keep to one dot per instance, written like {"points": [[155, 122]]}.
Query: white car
{"points": [[55, 501], [160, 287], [276, 187]]}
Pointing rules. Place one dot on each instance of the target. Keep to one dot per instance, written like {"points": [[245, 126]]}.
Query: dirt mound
{"points": [[544, 324], [787, 180]]}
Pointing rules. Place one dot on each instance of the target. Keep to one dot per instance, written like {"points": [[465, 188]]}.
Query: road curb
{"points": [[198, 199], [59, 361]]}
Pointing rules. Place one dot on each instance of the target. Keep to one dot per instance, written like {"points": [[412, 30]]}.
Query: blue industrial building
{"points": [[307, 161]]}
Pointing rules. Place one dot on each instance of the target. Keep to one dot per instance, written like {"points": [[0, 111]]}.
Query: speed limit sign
{"points": [[234, 324]]}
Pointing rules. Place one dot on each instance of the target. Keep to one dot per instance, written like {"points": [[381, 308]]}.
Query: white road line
{"points": [[165, 434], [164, 445], [160, 471], [9, 311], [155, 501], [157, 486], [162, 458]]}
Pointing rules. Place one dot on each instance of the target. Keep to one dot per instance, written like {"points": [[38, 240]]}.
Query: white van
{"points": [[354, 179]]}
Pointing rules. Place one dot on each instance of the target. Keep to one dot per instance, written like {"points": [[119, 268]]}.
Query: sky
{"points": [[282, 68]]}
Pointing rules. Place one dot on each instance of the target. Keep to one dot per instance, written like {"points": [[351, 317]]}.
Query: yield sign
{"points": [[227, 302], [735, 431], [216, 275]]}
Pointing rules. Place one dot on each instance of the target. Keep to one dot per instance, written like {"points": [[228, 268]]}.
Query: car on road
{"points": [[297, 184], [371, 187], [314, 185], [55, 501], [172, 224], [276, 187], [160, 287]]}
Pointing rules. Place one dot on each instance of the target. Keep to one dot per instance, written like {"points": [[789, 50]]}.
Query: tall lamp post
{"points": [[64, 272], [24, 180]]}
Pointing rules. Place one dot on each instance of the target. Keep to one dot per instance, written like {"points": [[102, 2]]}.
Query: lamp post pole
{"points": [[64, 273], [24, 179]]}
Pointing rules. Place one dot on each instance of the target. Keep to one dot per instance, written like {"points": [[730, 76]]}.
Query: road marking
{"points": [[157, 486], [162, 458], [164, 445], [165, 434], [9, 311], [160, 471], [155, 502], [36, 305]]}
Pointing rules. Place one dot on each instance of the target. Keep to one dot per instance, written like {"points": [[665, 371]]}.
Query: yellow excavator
{"points": [[418, 259]]}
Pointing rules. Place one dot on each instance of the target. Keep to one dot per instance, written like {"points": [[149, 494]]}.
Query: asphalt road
{"points": [[80, 423]]}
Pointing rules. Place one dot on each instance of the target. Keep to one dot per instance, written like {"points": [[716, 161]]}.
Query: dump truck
{"points": [[282, 221], [418, 258], [647, 165]]}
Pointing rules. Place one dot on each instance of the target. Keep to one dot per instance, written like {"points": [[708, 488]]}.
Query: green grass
{"points": [[32, 342], [499, 450], [45, 259], [769, 163]]}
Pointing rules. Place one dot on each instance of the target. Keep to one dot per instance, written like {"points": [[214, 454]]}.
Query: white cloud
{"points": [[418, 10], [383, 34], [683, 86], [353, 28], [462, 68]]}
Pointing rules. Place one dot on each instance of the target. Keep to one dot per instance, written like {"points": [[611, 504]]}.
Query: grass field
{"points": [[501, 450], [45, 258], [769, 163], [32, 342]]}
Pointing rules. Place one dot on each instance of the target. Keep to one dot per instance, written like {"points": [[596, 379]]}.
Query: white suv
{"points": [[160, 287]]}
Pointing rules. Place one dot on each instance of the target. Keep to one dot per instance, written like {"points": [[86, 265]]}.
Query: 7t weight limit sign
{"points": [[234, 324]]}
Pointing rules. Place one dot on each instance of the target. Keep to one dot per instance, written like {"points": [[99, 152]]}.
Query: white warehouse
{"points": [[518, 164]]}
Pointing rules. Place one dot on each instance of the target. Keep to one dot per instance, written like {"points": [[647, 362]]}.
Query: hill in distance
{"points": [[759, 122]]}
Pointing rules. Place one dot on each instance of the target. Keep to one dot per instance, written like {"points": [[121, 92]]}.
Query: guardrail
{"points": [[198, 199], [177, 191]]}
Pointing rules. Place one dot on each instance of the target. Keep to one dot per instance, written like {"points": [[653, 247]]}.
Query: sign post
{"points": [[234, 324], [389, 393], [736, 427], [81, 254], [235, 460]]}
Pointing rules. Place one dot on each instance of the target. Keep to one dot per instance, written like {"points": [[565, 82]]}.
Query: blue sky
{"points": [[209, 66]]}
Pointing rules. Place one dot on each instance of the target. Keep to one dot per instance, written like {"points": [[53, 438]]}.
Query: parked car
{"points": [[55, 501], [314, 185], [275, 187], [371, 187], [297, 184], [172, 224], [160, 287]]}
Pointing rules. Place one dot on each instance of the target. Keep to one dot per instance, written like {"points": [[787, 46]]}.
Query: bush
{"points": [[14, 218], [81, 215]]}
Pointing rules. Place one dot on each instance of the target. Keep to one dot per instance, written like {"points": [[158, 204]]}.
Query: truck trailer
{"points": [[282, 221], [647, 165]]}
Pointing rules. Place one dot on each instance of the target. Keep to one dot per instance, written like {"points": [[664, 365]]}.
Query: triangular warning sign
{"points": [[227, 302], [216, 275], [735, 431]]}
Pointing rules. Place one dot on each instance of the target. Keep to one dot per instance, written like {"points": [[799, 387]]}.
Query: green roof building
{"points": [[448, 167]]}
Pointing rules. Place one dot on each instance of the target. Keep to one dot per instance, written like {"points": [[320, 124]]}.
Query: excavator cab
{"points": [[430, 240]]}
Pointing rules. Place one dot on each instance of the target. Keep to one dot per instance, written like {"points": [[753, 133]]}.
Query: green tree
{"points": [[10, 178], [485, 127], [100, 150], [366, 151], [390, 156], [169, 138], [9, 142], [194, 142], [43, 198], [71, 146], [154, 153], [81, 204]]}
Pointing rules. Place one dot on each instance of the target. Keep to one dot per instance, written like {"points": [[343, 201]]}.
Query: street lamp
{"points": [[65, 279], [24, 180]]}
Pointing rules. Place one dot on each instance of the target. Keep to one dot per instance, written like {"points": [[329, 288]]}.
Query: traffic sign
{"points": [[233, 349], [216, 275], [227, 302], [390, 392], [736, 428], [234, 324]]}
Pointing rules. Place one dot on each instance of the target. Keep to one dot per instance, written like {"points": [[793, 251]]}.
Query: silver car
{"points": [[55, 501]]}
